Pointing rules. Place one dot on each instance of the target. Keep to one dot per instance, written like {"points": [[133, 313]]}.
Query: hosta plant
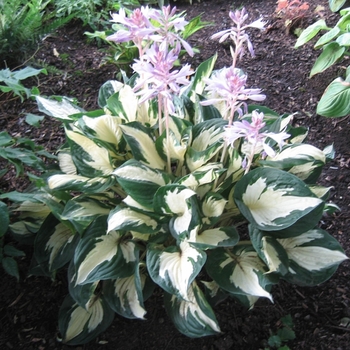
{"points": [[335, 44], [176, 183]]}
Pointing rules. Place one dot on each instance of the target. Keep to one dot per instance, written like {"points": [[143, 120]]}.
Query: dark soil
{"points": [[29, 309]]}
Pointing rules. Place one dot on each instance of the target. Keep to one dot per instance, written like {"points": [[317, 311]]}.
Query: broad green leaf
{"points": [[327, 37], [181, 203], [141, 142], [175, 268], [78, 325], [140, 182], [91, 159], [203, 72], [215, 237], [303, 160], [54, 245], [81, 211], [310, 32], [313, 257], [108, 89], [270, 251], [125, 295], [27, 72], [101, 256], [273, 199], [239, 271], [344, 39], [10, 266], [194, 317], [207, 142], [80, 183], [336, 5], [83, 294], [33, 119], [61, 110], [10, 250], [127, 219], [4, 218], [334, 101], [331, 53]]}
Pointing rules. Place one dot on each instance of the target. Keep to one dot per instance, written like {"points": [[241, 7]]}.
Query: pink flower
{"points": [[228, 86], [254, 134]]}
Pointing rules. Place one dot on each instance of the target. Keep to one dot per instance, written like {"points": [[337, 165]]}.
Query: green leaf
{"points": [[140, 181], [10, 266], [125, 295], [127, 219], [90, 159], [141, 141], [181, 203], [327, 37], [273, 199], [334, 101], [62, 110], [4, 218], [331, 53], [175, 268], [310, 32], [193, 318], [108, 89], [215, 237], [78, 325], [54, 245], [101, 256], [13, 252], [239, 271], [336, 5], [313, 257], [33, 119], [193, 26], [203, 72]]}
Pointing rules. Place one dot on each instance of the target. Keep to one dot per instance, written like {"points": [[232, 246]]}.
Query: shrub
{"points": [[178, 184]]}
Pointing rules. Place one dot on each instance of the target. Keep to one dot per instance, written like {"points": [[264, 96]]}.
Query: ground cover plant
{"points": [[224, 324], [172, 176]]}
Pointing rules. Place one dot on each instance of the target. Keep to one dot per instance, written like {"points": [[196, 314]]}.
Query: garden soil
{"points": [[29, 309]]}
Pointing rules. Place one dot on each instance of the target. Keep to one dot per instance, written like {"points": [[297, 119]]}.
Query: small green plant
{"points": [[8, 253], [335, 47], [336, 5], [22, 25], [13, 81], [284, 334]]}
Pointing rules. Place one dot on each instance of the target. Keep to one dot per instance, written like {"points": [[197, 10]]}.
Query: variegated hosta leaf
{"points": [[54, 245], [215, 237], [141, 141], [207, 141], [80, 183], [78, 325], [175, 268], [140, 182], [81, 211], [270, 251], [213, 205], [181, 203], [101, 256], [273, 199], [125, 295], [90, 159], [66, 163], [127, 219], [213, 293], [124, 104], [206, 174], [83, 294], [313, 257], [105, 130], [194, 317], [304, 161], [239, 271], [246, 300], [61, 110]]}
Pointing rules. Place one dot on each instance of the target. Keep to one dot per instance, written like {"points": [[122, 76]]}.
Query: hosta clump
{"points": [[154, 186]]}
